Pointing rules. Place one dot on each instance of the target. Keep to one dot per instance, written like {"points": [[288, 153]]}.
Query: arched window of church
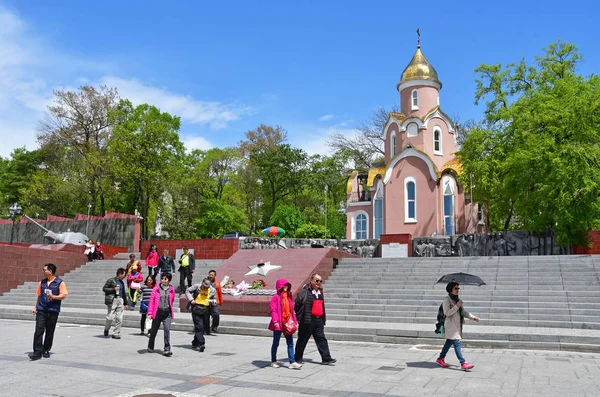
{"points": [[393, 145], [360, 226], [410, 200], [415, 100], [448, 190], [378, 210], [412, 129], [437, 140]]}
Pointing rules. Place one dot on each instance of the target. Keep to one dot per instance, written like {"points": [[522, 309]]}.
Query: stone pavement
{"points": [[84, 363]]}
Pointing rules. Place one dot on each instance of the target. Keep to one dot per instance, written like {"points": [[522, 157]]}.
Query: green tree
{"points": [[16, 174], [80, 122], [219, 218], [537, 161], [145, 152], [287, 217], [310, 230]]}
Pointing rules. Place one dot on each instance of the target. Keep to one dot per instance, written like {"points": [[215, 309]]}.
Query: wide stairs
{"points": [[541, 302]]}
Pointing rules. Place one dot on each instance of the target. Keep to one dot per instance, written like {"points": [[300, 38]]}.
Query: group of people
{"points": [[304, 314], [93, 250], [156, 296], [159, 264]]}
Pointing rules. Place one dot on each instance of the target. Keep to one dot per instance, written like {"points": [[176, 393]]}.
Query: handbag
{"points": [[144, 307], [289, 327], [135, 285]]}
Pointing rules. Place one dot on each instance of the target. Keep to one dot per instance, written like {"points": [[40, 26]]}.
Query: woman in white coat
{"points": [[455, 317]]}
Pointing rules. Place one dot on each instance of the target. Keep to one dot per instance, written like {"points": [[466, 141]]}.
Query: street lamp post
{"points": [[87, 223], [326, 189], [14, 211]]}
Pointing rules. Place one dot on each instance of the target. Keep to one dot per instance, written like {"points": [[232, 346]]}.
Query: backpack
{"points": [[439, 326]]}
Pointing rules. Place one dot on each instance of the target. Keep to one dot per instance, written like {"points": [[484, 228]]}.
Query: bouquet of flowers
{"points": [[227, 283], [243, 286], [258, 284]]}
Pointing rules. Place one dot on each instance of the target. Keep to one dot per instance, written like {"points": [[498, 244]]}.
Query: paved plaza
{"points": [[85, 363]]}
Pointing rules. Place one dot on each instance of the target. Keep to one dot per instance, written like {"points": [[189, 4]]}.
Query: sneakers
{"points": [[150, 350], [294, 366], [441, 362], [274, 364], [105, 332], [466, 366], [46, 354], [116, 336], [34, 356], [330, 361], [168, 353]]}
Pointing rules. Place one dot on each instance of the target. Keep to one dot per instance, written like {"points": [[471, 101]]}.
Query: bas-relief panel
{"points": [[514, 243], [364, 248]]}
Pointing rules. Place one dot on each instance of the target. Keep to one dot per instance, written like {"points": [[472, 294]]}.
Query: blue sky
{"points": [[226, 67]]}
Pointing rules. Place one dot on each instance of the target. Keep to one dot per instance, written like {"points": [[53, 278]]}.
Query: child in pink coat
{"points": [[282, 309]]}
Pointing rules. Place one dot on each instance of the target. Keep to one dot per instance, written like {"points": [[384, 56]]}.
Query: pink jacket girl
{"points": [[152, 260], [282, 308], [155, 300], [276, 306]]}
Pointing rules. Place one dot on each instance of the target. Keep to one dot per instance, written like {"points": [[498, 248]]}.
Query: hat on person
{"points": [[206, 283]]}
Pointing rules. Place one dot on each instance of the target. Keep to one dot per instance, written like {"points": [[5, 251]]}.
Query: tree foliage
{"points": [[287, 217], [145, 152], [537, 161]]}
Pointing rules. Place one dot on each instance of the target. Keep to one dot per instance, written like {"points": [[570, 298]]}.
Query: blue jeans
{"points": [[457, 350], [290, 346]]}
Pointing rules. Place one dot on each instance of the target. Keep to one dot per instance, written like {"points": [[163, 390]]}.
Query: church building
{"points": [[414, 188]]}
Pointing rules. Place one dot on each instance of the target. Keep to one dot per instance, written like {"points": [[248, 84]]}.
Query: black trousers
{"points": [[45, 322], [215, 313], [199, 316], [164, 317], [316, 329], [185, 273]]}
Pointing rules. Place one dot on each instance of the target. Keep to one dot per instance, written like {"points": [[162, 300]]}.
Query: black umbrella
{"points": [[462, 278]]}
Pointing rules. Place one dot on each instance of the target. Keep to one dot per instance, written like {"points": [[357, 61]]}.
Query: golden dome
{"points": [[419, 68]]}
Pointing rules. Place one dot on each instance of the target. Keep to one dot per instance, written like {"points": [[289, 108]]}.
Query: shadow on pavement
{"points": [[422, 364], [261, 364]]}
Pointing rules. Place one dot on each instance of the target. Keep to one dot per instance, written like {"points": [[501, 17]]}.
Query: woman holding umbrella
{"points": [[455, 317]]}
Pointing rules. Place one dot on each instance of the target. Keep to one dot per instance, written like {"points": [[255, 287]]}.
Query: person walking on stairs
{"points": [[186, 269]]}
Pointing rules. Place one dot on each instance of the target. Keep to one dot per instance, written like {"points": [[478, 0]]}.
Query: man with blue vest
{"points": [[50, 292]]}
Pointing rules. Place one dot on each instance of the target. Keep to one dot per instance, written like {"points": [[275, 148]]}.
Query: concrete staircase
{"points": [[85, 303], [529, 302]]}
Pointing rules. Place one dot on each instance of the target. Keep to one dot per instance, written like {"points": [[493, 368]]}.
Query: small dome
{"points": [[419, 68]]}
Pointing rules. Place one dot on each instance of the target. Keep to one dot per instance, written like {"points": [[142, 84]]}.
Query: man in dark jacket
{"points": [[115, 299], [166, 264], [310, 311], [186, 270], [50, 293]]}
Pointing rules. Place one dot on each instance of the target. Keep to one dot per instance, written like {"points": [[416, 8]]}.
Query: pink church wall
{"points": [[428, 99], [352, 211], [426, 195]]}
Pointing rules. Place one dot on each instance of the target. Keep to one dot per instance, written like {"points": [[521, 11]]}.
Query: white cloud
{"points": [[326, 117], [213, 113], [196, 142], [313, 140]]}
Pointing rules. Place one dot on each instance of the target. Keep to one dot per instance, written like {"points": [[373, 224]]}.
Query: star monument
{"points": [[262, 268]]}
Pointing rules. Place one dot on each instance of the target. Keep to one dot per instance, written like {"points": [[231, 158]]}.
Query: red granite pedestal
{"points": [[297, 266]]}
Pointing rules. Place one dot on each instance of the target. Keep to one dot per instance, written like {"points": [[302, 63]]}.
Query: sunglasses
{"points": [[318, 281], [456, 288]]}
